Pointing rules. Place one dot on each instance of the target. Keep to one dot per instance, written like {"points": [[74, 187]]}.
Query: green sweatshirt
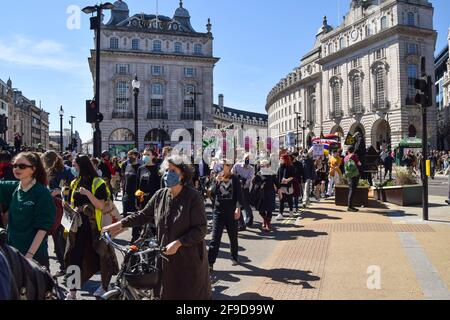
{"points": [[29, 212]]}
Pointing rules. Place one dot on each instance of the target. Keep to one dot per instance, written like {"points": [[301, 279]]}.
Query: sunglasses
{"points": [[21, 166]]}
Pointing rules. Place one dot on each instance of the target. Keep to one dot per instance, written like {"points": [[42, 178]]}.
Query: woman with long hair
{"points": [[31, 208], [267, 179], [227, 194], [178, 212], [88, 196]]}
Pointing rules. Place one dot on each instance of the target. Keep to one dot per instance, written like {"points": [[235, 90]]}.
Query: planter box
{"points": [[400, 195], [361, 198]]}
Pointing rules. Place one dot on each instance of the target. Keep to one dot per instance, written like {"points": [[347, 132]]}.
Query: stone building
{"points": [[443, 97], [170, 59], [359, 77]]}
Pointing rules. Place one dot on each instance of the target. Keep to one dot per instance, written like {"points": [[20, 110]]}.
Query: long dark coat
{"points": [[186, 275]]}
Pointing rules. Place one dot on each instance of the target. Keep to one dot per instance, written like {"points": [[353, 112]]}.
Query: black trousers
{"points": [[223, 219], [60, 246], [353, 185], [286, 198], [129, 206]]}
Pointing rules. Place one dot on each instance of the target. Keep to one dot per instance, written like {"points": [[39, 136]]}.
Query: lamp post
{"points": [[61, 140], [195, 94], [162, 129], [298, 116], [71, 132], [136, 84], [304, 127], [96, 23]]}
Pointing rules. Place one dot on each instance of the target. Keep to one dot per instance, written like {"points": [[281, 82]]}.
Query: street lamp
{"points": [[71, 132], [136, 84], [96, 23], [61, 140], [162, 129], [299, 116]]}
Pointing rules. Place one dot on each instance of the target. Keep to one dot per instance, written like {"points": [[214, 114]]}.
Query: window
{"points": [[312, 109], [135, 44], [190, 72], [122, 96], [380, 87], [384, 23], [157, 70], [379, 54], [178, 47], [157, 89], [412, 76], [123, 68], [188, 89], [157, 46], [198, 49], [336, 95], [355, 63], [411, 19], [335, 71], [356, 92], [368, 30], [342, 43], [114, 43], [412, 49], [330, 48]]}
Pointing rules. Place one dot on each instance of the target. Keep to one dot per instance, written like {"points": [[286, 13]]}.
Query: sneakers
{"points": [[99, 292], [291, 214], [280, 217], [71, 297], [234, 262], [352, 210]]}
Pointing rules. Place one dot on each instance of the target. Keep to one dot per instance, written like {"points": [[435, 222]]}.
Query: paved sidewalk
{"points": [[332, 254]]}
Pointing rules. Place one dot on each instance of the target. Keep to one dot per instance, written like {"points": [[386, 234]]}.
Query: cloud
{"points": [[46, 54]]}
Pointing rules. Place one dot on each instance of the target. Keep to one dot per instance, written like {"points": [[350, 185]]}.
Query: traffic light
{"points": [[74, 144], [92, 111], [425, 87]]}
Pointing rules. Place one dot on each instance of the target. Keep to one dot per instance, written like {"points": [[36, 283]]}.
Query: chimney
{"points": [[221, 105], [33, 102]]}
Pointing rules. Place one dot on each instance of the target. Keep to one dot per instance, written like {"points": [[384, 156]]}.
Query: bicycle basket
{"points": [[143, 278]]}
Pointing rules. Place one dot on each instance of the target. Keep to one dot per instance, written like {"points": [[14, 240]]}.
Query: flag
{"points": [[349, 141]]}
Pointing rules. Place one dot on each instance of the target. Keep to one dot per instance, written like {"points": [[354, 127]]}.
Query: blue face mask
{"points": [[171, 179], [146, 159], [74, 172]]}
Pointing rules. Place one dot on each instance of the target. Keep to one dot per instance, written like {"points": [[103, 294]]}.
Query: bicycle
{"points": [[139, 274]]}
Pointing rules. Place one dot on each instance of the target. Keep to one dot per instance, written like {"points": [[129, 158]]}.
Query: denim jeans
{"points": [[223, 219], [129, 206]]}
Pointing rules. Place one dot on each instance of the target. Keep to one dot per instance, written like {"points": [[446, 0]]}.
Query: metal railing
{"points": [[157, 115], [357, 110], [381, 105], [190, 116], [122, 115], [336, 114]]}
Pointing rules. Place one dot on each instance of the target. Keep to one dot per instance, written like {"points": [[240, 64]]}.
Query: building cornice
{"points": [[156, 32], [396, 30], [294, 86], [163, 56]]}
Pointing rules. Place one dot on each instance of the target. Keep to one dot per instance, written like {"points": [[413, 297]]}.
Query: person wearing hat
{"points": [[178, 211]]}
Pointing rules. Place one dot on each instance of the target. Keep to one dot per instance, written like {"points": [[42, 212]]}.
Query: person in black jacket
{"points": [[6, 174], [5, 279], [309, 175], [267, 181], [285, 176], [226, 191], [148, 177]]}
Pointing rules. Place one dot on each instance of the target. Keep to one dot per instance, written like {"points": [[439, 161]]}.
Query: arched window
{"points": [[380, 88], [342, 43], [356, 93], [114, 43], [135, 44], [336, 95], [412, 76], [178, 47], [157, 45], [368, 30], [122, 96], [198, 49], [330, 48], [412, 132], [121, 135], [384, 23]]}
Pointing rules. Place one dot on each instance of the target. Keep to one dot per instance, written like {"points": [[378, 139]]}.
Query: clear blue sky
{"points": [[258, 42]]}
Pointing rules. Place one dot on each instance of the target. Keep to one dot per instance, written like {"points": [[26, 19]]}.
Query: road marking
{"points": [[428, 277]]}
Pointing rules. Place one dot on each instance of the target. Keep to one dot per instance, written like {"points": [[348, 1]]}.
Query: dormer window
{"points": [[411, 19], [178, 47], [384, 23], [198, 49], [157, 46], [135, 44], [114, 43]]}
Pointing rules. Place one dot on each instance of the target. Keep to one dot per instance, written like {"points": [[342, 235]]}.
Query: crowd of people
{"points": [[165, 191]]}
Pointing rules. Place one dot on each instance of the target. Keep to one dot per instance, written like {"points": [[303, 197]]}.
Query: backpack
{"points": [[256, 192], [351, 169]]}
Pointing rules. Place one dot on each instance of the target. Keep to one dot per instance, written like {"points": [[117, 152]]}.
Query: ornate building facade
{"points": [[443, 97], [359, 77], [170, 59]]}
